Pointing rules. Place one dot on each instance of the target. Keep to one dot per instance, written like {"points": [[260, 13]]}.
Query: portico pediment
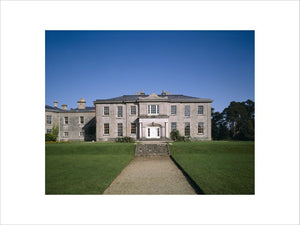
{"points": [[153, 97]]}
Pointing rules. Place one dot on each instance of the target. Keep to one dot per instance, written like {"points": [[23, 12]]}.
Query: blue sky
{"points": [[105, 64]]}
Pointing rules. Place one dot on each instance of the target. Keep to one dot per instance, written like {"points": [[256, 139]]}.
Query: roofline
{"points": [[154, 100]]}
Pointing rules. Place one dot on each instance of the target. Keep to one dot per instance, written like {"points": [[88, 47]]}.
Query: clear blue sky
{"points": [[106, 64]]}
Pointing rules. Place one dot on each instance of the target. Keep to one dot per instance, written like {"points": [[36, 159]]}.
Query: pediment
{"points": [[152, 97]]}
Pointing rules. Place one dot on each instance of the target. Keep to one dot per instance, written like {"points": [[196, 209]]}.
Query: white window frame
{"points": [[118, 107], [174, 107], [107, 111], [66, 120], [50, 118], [104, 129], [151, 111], [66, 134], [199, 111], [172, 123], [120, 129], [131, 107], [185, 110]]}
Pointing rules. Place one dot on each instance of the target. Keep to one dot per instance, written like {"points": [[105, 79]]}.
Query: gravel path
{"points": [[150, 175]]}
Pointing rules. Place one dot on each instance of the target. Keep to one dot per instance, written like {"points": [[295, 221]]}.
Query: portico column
{"points": [[141, 133], [166, 127]]}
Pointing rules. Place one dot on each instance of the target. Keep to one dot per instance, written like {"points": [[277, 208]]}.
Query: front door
{"points": [[153, 132]]}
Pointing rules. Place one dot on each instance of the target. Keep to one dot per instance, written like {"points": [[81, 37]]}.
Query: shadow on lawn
{"points": [[195, 186]]}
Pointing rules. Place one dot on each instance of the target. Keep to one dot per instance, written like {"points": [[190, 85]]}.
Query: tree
{"points": [[219, 128], [239, 117]]}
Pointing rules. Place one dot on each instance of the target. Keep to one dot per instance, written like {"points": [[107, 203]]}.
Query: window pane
{"points": [[173, 126], [133, 128], [187, 110], [49, 119], [66, 120], [153, 109], [157, 107], [173, 110], [106, 128], [200, 128], [133, 110], [81, 119], [120, 111], [120, 129], [106, 110], [200, 109], [187, 129]]}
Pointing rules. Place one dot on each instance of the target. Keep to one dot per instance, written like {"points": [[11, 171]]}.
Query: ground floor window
{"points": [[200, 128], [66, 134], [133, 128], [49, 131], [106, 128], [81, 133], [120, 129], [148, 132], [187, 129], [173, 126]]}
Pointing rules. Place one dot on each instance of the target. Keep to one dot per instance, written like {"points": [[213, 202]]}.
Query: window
{"points": [[200, 109], [106, 128], [133, 110], [120, 129], [148, 132], [49, 119], [81, 133], [66, 134], [81, 119], [66, 120], [157, 131], [173, 126], [106, 110], [49, 131], [187, 129], [133, 128], [153, 109], [120, 111], [187, 110], [200, 128], [173, 109]]}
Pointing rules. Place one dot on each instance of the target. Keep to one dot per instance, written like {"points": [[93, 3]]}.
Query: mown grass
{"points": [[84, 168], [218, 167]]}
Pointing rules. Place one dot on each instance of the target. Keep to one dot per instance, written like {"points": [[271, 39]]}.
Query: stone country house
{"points": [[140, 116]]}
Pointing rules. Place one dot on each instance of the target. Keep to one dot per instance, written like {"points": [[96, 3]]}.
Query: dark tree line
{"points": [[236, 122]]}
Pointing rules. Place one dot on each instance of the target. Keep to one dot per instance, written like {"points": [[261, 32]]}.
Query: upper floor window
{"points": [[49, 119], [120, 111], [106, 110], [173, 109], [200, 109], [66, 120], [187, 110], [81, 119], [133, 110], [153, 109]]}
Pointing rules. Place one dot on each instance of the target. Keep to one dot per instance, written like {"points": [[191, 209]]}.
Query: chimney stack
{"points": [[81, 104], [64, 107], [142, 93], [55, 104]]}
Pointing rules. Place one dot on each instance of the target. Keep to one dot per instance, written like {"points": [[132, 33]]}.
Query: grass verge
{"points": [[84, 168], [218, 167]]}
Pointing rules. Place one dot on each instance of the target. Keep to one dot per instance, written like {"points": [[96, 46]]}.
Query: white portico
{"points": [[153, 128]]}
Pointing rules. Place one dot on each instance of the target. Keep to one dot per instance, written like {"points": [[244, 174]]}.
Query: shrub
{"points": [[50, 137], [175, 136], [125, 140]]}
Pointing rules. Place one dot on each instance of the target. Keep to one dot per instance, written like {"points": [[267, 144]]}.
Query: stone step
{"points": [[152, 149]]}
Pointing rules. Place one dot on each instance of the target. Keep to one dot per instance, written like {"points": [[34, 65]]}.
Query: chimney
{"points": [[142, 93], [64, 107], [81, 104], [55, 104], [163, 93]]}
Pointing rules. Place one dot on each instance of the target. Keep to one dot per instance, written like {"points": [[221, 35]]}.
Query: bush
{"points": [[50, 137], [125, 140], [175, 136]]}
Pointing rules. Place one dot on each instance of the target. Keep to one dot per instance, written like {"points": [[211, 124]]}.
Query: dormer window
{"points": [[153, 109]]}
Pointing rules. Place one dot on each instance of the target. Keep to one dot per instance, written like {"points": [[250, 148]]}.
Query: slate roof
{"points": [[135, 98], [55, 109]]}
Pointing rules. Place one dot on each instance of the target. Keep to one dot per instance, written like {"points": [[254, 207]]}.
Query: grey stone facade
{"points": [[153, 118], [140, 116], [74, 125]]}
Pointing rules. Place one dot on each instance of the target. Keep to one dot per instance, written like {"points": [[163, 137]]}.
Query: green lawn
{"points": [[218, 167], [84, 168]]}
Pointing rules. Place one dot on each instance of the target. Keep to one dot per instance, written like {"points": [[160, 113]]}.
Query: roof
{"points": [[138, 98], [55, 109]]}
